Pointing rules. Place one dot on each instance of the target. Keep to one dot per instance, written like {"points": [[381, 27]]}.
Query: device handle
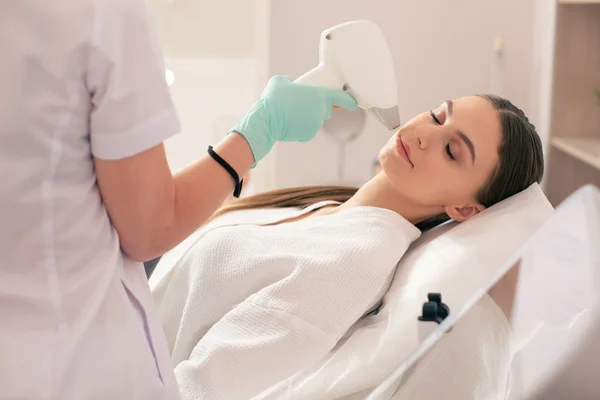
{"points": [[321, 76]]}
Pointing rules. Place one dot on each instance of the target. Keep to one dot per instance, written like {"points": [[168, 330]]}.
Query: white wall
{"points": [[210, 47], [210, 95], [441, 50], [206, 28], [542, 71]]}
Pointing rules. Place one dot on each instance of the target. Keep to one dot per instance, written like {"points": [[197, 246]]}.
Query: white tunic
{"points": [[247, 306], [77, 79]]}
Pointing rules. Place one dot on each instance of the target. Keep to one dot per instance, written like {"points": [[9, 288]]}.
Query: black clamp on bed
{"points": [[434, 310]]}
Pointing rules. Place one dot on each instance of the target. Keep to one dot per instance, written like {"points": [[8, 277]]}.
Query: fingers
{"points": [[280, 79], [341, 99], [328, 113]]}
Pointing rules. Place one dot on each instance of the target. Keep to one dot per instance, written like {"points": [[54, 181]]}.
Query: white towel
{"points": [[248, 306]]}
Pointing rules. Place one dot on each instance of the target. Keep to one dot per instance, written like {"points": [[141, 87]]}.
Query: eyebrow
{"points": [[450, 107], [464, 138]]}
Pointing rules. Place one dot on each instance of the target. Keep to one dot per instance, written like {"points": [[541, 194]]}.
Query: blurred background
{"points": [[541, 54]]}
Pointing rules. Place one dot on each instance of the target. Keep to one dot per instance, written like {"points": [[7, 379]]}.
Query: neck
{"points": [[379, 192]]}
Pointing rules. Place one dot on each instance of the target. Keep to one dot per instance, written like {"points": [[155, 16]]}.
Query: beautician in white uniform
{"points": [[86, 193]]}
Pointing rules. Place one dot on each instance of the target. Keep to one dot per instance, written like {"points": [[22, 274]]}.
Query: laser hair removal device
{"points": [[354, 57]]}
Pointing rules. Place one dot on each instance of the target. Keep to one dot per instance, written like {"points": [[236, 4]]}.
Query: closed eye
{"points": [[449, 152], [448, 145], [434, 117]]}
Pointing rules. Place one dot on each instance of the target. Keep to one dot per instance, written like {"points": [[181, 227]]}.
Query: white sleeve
{"points": [[287, 326], [131, 106]]}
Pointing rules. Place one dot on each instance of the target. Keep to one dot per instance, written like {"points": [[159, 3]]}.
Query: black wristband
{"points": [[234, 175]]}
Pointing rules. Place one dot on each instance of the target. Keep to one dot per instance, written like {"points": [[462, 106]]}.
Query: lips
{"points": [[404, 149]]}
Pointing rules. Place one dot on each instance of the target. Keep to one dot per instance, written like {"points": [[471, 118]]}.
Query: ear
{"points": [[463, 213]]}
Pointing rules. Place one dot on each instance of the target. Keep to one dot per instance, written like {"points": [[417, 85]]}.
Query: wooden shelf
{"points": [[579, 1], [586, 150], [574, 160]]}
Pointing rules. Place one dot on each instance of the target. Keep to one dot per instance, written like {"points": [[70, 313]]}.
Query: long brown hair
{"points": [[304, 196], [521, 164], [290, 197]]}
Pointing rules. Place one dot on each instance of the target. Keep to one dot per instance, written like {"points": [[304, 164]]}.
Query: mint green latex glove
{"points": [[288, 112]]}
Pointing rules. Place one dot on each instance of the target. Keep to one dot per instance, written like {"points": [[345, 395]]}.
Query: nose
{"points": [[424, 137], [428, 137]]}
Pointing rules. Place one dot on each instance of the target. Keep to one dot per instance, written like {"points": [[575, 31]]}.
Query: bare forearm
{"points": [[153, 210], [199, 190], [202, 187]]}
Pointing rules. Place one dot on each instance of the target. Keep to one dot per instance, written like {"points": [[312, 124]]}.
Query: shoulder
{"points": [[113, 19], [355, 238], [360, 223]]}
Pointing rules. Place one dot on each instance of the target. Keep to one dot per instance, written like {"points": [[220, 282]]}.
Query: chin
{"points": [[383, 165], [394, 166], [382, 155], [394, 176]]}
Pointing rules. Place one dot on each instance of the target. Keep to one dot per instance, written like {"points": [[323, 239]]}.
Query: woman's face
{"points": [[442, 157]]}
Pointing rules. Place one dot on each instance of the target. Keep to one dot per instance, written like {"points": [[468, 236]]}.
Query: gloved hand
{"points": [[288, 112]]}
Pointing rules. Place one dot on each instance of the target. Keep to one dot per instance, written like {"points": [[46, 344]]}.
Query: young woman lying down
{"points": [[253, 303]]}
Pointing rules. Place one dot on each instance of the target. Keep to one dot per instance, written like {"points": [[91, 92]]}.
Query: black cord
{"points": [[238, 183]]}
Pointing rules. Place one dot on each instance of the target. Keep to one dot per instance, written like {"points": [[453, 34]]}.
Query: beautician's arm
{"points": [[152, 210]]}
